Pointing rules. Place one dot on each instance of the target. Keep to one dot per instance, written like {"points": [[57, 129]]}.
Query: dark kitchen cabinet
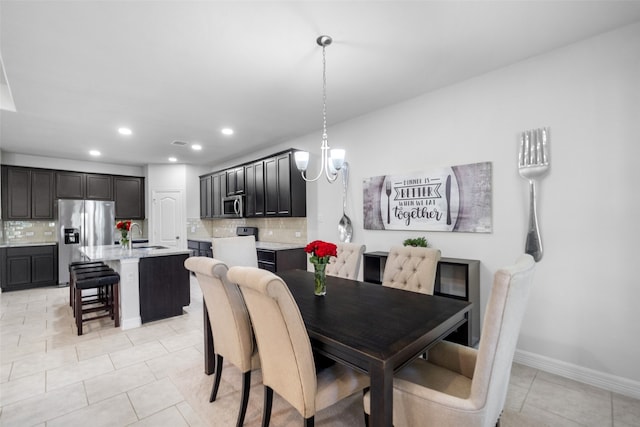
{"points": [[235, 181], [218, 192], [200, 248], [128, 193], [29, 267], [276, 260], [27, 193], [455, 278], [83, 186], [164, 287], [70, 185], [205, 197], [98, 187], [285, 189], [254, 189]]}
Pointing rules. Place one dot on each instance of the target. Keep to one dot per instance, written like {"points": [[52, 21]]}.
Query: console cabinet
{"points": [[455, 278], [282, 259]]}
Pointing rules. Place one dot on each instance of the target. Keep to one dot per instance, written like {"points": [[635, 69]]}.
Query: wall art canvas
{"points": [[455, 198]]}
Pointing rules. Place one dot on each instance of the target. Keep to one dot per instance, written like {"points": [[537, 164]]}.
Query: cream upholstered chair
{"points": [[230, 324], [285, 350], [411, 268], [237, 250], [461, 386], [347, 263]]}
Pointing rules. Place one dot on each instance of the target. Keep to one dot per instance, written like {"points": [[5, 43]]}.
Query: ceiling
{"points": [[182, 70]]}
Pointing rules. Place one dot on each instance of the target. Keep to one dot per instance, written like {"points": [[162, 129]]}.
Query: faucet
{"points": [[131, 233]]}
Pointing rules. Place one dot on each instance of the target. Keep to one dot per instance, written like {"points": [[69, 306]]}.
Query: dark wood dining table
{"points": [[371, 328]]}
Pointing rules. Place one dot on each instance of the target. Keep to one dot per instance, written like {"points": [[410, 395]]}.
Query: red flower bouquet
{"points": [[123, 225], [321, 251]]}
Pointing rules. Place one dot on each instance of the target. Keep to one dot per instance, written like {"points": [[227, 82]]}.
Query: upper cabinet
{"points": [[79, 185], [235, 181], [285, 189], [27, 193], [272, 187], [128, 192]]}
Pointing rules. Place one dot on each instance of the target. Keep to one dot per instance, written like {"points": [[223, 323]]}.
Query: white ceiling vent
{"points": [[179, 143]]}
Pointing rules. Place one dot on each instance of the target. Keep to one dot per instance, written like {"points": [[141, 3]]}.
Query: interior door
{"points": [[168, 223]]}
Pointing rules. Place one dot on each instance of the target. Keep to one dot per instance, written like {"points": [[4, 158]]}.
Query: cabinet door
{"points": [[129, 197], [70, 185], [218, 190], [284, 185], [205, 197], [99, 187], [18, 270], [235, 181], [254, 189], [43, 270], [16, 193], [271, 187], [42, 194]]}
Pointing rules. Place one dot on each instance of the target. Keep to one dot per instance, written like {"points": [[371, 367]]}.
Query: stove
{"points": [[247, 231]]}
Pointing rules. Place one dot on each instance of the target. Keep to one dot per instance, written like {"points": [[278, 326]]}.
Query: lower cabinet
{"points": [[164, 287], [282, 259], [199, 248], [455, 278], [26, 267]]}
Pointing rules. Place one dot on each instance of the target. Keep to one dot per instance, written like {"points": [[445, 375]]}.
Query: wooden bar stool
{"points": [[78, 264], [107, 300]]}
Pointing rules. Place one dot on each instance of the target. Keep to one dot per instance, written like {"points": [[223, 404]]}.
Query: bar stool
{"points": [[75, 266], [107, 282]]}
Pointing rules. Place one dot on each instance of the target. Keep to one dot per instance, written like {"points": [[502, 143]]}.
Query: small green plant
{"points": [[418, 241]]}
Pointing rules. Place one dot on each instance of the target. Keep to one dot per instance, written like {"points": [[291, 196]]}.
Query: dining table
{"points": [[371, 328]]}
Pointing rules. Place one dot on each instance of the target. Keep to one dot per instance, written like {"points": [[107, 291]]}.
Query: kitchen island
{"points": [[154, 284]]}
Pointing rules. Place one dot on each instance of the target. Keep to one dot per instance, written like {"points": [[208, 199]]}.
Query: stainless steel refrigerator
{"points": [[82, 223]]}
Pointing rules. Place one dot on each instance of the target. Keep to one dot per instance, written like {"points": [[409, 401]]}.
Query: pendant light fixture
{"points": [[331, 160]]}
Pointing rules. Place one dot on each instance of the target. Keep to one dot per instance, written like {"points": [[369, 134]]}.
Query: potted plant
{"points": [[418, 242]]}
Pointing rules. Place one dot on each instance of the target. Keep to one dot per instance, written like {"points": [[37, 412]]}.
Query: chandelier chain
{"points": [[324, 94]]}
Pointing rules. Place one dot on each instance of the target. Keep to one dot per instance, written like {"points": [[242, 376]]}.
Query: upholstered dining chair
{"points": [[347, 263], [462, 386], [285, 350], [411, 268], [237, 250], [230, 324]]}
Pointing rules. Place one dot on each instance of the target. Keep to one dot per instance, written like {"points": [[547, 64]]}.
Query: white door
{"points": [[168, 223]]}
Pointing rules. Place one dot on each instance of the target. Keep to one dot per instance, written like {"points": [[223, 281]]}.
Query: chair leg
{"points": [[216, 383], [116, 304], [78, 309], [246, 387], [266, 410], [366, 416], [308, 422]]}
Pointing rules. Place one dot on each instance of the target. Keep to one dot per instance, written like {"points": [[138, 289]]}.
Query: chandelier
{"points": [[331, 160]]}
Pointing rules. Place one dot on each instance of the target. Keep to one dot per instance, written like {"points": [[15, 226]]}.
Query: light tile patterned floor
{"points": [[153, 376]]}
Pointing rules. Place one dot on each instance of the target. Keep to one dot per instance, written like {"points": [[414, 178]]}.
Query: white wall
{"points": [[582, 310]]}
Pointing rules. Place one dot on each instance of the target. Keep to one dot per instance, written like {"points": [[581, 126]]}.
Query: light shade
{"points": [[337, 158], [302, 160]]}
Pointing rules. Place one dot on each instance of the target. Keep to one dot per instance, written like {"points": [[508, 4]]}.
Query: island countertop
{"points": [[117, 252]]}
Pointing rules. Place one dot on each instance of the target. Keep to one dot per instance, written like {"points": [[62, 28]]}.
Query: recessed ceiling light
{"points": [[94, 153], [124, 131], [196, 147], [173, 159], [227, 131]]}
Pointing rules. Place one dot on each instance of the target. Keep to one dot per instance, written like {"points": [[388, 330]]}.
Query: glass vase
{"points": [[124, 241], [320, 279]]}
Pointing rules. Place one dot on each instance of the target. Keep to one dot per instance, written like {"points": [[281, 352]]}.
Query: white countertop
{"points": [[19, 244], [116, 252]]}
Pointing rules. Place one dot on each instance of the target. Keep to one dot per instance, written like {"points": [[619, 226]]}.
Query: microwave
{"points": [[233, 207]]}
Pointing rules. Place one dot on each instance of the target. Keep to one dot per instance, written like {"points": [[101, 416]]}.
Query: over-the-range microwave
{"points": [[233, 207]]}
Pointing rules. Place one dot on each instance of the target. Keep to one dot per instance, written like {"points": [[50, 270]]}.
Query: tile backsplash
{"points": [[29, 231], [280, 230]]}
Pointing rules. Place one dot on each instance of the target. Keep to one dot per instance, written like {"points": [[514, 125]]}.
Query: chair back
{"points": [[228, 314], [347, 263], [500, 330], [285, 350], [411, 268], [237, 250]]}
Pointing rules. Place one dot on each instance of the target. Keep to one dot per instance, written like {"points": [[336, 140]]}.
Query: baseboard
{"points": [[605, 381]]}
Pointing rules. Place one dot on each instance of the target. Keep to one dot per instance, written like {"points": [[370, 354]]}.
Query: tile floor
{"points": [[153, 376]]}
